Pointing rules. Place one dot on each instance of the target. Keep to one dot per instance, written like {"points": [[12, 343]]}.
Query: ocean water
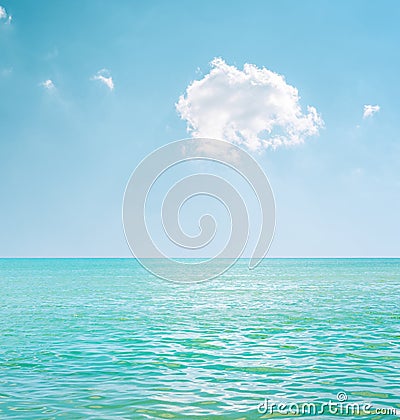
{"points": [[103, 339]]}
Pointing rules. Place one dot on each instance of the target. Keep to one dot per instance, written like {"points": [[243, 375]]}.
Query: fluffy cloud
{"points": [[48, 84], [104, 77], [370, 110], [4, 15], [254, 107]]}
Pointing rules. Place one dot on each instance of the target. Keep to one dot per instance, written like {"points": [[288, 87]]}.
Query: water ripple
{"points": [[103, 339]]}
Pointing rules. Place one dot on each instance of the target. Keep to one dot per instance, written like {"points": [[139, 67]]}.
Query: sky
{"points": [[88, 89]]}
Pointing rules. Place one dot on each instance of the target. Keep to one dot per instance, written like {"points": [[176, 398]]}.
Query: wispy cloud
{"points": [[6, 71], [51, 54], [254, 107], [104, 76], [370, 110], [48, 84], [4, 15]]}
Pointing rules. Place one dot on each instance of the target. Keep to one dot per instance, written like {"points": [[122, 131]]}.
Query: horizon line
{"points": [[190, 258]]}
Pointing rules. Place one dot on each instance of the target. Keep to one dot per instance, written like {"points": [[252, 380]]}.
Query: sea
{"points": [[105, 339]]}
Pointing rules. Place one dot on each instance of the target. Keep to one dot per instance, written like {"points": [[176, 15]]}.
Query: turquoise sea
{"points": [[103, 339]]}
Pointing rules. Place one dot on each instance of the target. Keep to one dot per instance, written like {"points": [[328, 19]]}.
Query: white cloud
{"points": [[3, 13], [370, 110], [254, 107], [104, 77], [48, 84]]}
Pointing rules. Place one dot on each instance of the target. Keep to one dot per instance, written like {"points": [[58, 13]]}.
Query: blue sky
{"points": [[67, 152]]}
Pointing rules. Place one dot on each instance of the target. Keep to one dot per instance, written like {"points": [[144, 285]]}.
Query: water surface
{"points": [[102, 338]]}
